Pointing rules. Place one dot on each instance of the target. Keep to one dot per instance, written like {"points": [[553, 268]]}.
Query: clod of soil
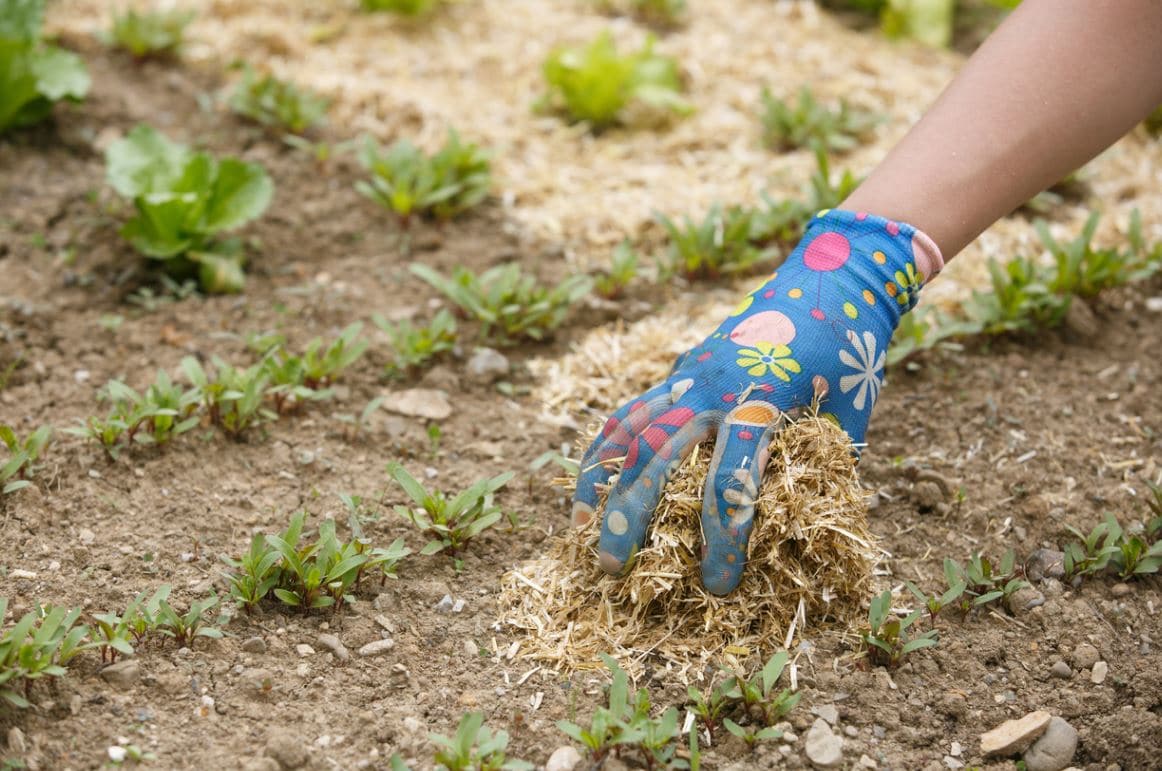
{"points": [[810, 560]]}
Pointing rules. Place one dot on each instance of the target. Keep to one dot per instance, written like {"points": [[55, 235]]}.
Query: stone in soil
{"points": [[1062, 670], [1045, 563], [1024, 600], [1098, 674], [824, 749], [1054, 750], [427, 403], [1013, 736], [286, 748], [828, 712], [123, 675], [254, 645], [377, 647], [486, 365], [333, 644], [16, 741], [1085, 656], [304, 650], [563, 759]]}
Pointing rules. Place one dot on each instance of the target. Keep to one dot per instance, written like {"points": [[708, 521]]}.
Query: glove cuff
{"points": [[908, 239]]}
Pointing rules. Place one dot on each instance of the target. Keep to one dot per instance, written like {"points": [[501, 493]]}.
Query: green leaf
{"points": [[21, 19], [145, 161], [219, 274], [240, 193], [60, 74], [432, 547], [918, 643]]}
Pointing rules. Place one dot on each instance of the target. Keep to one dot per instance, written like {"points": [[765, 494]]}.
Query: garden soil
{"points": [[1038, 434]]}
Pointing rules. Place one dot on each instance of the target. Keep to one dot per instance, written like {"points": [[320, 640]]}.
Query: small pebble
{"points": [[377, 647], [16, 742], [851, 731], [1120, 589], [1062, 670], [117, 754], [254, 645], [445, 604], [1054, 750], [824, 749], [828, 712], [1098, 674], [1085, 656], [304, 650], [335, 645], [564, 758]]}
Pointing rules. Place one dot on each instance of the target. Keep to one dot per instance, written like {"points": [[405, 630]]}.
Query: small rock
{"points": [[21, 573], [1120, 589], [956, 750], [385, 622], [304, 650], [486, 365], [1024, 600], [850, 730], [258, 680], [1085, 656], [86, 536], [377, 647], [927, 495], [1062, 670], [123, 675], [286, 748], [1054, 750], [867, 762], [1080, 319], [1154, 304], [828, 712], [445, 604], [1045, 563], [427, 403], [952, 763], [16, 742], [824, 749], [1098, 674], [471, 649], [254, 645], [260, 764], [1013, 736], [563, 759], [117, 753], [335, 645]]}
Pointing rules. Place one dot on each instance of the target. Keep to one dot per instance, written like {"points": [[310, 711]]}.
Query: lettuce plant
{"points": [[33, 75], [277, 103], [184, 200], [597, 85]]}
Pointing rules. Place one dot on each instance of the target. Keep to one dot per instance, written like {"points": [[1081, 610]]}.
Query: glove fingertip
{"points": [[721, 574]]}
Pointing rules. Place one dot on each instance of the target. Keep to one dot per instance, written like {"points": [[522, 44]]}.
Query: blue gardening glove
{"points": [[818, 326]]}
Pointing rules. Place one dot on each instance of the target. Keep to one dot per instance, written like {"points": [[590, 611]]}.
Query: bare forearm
{"points": [[1056, 84]]}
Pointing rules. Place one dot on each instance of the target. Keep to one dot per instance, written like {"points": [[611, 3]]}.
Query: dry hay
{"points": [[810, 560]]}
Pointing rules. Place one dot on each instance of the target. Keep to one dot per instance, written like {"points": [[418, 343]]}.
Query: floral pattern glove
{"points": [[818, 326]]}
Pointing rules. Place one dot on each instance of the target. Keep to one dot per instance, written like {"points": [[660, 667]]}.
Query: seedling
{"points": [[1109, 546], [752, 735], [298, 379], [315, 575], [1092, 552], [1084, 270], [414, 345], [609, 726], [233, 398], [597, 85], [611, 283], [111, 633], [184, 202], [1137, 557], [887, 640], [956, 585], [450, 522], [324, 365], [187, 627], [23, 454], [663, 14], [385, 561], [990, 582], [823, 193], [409, 182], [789, 126], [167, 410], [149, 33], [719, 244], [361, 421], [402, 7], [39, 645], [509, 304], [256, 573], [143, 615], [277, 104], [35, 75], [474, 748], [710, 707]]}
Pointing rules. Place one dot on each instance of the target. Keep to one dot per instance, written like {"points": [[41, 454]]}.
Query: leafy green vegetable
{"points": [[787, 126], [150, 33], [184, 199], [597, 85], [277, 103], [408, 181], [33, 75]]}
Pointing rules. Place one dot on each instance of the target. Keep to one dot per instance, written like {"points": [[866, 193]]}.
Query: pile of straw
{"points": [[810, 561]]}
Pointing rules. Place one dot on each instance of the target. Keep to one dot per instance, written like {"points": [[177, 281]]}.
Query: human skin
{"points": [[1054, 85], [1058, 82]]}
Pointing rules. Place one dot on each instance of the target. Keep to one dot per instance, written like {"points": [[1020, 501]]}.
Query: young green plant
{"points": [[596, 85], [509, 304], [887, 640], [474, 747], [415, 345], [277, 104], [23, 454], [144, 34], [184, 202], [35, 75], [791, 125]]}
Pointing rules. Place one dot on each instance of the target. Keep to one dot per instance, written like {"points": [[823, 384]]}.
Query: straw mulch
{"points": [[810, 561]]}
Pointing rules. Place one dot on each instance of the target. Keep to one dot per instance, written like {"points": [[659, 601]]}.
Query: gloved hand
{"points": [[819, 325]]}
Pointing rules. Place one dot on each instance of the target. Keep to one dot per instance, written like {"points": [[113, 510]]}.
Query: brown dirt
{"points": [[1088, 407]]}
